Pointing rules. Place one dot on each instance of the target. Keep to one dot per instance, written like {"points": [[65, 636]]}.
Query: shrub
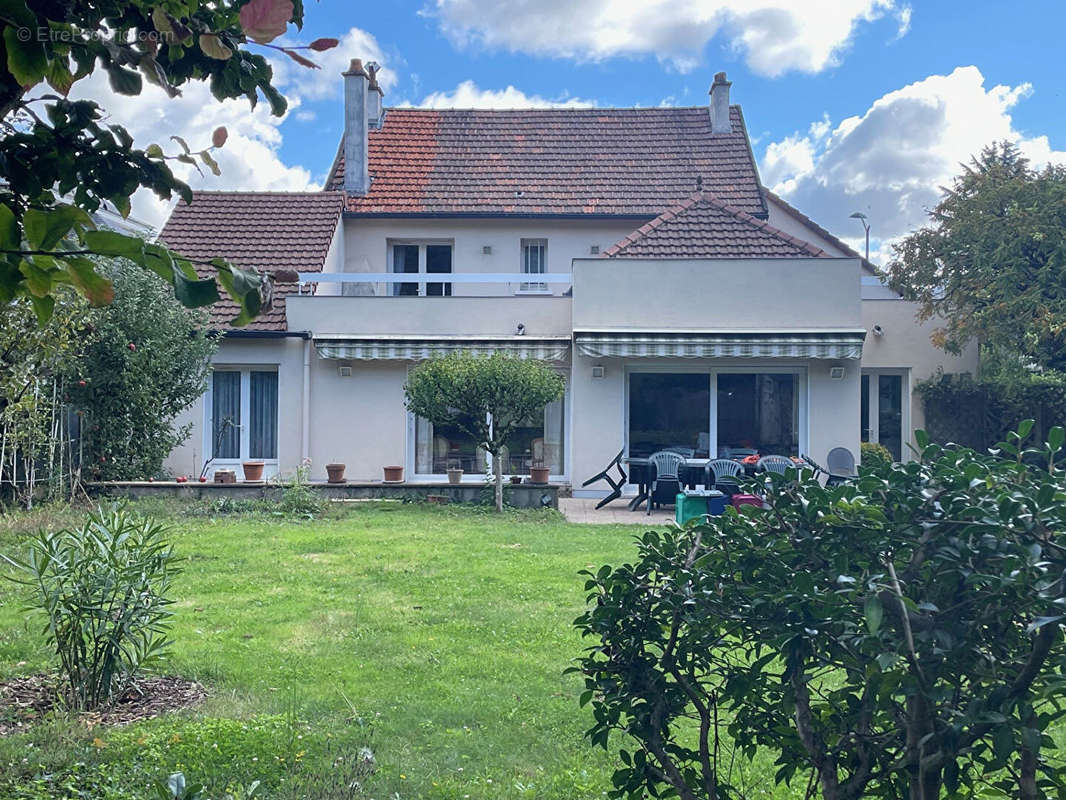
{"points": [[875, 456], [299, 498], [898, 635], [979, 413], [103, 588]]}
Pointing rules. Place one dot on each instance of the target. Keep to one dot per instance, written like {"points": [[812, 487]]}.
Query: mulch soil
{"points": [[26, 701]]}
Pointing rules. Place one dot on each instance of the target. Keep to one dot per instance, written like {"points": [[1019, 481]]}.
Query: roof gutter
{"points": [[239, 334], [489, 214]]}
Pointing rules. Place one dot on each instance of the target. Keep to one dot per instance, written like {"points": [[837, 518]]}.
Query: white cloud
{"points": [[468, 95], [325, 83], [774, 36], [890, 161], [249, 160]]}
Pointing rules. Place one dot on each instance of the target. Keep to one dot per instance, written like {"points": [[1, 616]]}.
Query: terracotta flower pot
{"points": [[253, 470], [393, 474], [516, 479], [335, 473], [455, 476], [538, 474]]}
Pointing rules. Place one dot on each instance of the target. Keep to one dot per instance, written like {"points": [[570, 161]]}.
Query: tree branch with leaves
{"points": [[61, 161]]}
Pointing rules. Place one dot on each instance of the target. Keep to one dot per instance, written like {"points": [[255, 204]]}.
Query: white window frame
{"points": [[873, 373], [532, 287], [480, 477], [245, 371], [421, 244], [802, 389]]}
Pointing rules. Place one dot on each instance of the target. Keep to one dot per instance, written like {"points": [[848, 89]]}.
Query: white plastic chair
{"points": [[667, 466], [776, 464], [722, 468], [841, 462]]}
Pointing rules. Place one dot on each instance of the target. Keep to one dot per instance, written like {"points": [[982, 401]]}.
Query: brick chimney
{"points": [[719, 109], [375, 112], [356, 129]]}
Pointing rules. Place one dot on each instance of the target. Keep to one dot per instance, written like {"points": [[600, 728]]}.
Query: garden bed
{"points": [[26, 701]]}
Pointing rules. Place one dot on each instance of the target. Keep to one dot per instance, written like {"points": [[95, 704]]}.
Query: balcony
{"points": [[540, 314]]}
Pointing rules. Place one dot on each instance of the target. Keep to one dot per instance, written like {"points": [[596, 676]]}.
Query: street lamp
{"points": [[866, 226]]}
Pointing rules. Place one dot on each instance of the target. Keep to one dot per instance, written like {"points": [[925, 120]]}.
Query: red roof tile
{"points": [[803, 219], [270, 231], [618, 161], [704, 227]]}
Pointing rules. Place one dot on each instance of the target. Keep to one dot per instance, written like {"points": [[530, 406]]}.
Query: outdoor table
{"points": [[691, 473]]}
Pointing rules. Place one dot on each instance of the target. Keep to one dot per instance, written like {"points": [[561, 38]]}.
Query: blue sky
{"points": [[851, 104]]}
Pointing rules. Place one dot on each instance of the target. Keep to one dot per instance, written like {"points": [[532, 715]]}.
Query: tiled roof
{"points": [[620, 161], [704, 227], [270, 231]]}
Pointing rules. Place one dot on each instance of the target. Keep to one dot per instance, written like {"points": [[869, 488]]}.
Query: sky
{"points": [[851, 105]]}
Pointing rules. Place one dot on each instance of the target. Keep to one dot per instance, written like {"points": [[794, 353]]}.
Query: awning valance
{"points": [[418, 349], [833, 345]]}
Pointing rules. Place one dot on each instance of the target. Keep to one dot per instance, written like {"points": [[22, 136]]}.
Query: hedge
{"points": [[979, 414]]}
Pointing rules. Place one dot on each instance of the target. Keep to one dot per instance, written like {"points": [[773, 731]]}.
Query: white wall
{"points": [[905, 345], [366, 244], [430, 316], [359, 421], [717, 294]]}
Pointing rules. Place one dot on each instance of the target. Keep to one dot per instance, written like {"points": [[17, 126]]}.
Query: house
{"points": [[634, 249]]}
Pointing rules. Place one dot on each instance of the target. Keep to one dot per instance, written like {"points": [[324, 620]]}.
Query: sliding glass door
{"points": [[724, 413]]}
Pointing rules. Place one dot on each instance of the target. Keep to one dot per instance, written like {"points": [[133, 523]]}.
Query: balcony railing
{"points": [[533, 283]]}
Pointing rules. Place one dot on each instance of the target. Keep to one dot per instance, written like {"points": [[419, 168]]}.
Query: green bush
{"points": [[979, 413], [900, 635], [875, 456], [103, 588]]}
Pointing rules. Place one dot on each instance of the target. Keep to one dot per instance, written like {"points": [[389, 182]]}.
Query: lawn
{"points": [[435, 636]]}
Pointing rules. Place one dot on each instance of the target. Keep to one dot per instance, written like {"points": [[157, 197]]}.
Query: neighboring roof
{"points": [[617, 161], [806, 221], [704, 227], [270, 231]]}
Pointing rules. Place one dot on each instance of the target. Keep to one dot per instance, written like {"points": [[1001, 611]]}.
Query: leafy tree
{"points": [[992, 260], [61, 160], [146, 359], [487, 397], [898, 636], [37, 446]]}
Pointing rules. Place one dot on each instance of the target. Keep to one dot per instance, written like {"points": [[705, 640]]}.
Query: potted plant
{"points": [[335, 473], [516, 479], [393, 474], [253, 470], [538, 473], [455, 473]]}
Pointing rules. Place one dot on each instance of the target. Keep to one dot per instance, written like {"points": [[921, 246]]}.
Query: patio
{"points": [[582, 510]]}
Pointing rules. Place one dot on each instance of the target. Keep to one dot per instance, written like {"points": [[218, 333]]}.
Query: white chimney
{"points": [[720, 105], [356, 157], [374, 110]]}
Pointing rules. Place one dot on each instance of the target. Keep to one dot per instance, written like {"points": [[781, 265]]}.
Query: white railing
{"points": [[436, 277]]}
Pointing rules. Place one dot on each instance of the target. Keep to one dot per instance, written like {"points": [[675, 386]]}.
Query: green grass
{"points": [[443, 631]]}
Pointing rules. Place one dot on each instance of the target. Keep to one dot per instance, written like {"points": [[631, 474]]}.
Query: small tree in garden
{"points": [[104, 590], [146, 359], [487, 397], [899, 636]]}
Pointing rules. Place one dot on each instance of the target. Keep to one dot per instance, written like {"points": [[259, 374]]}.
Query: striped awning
{"points": [[396, 349], [834, 345]]}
